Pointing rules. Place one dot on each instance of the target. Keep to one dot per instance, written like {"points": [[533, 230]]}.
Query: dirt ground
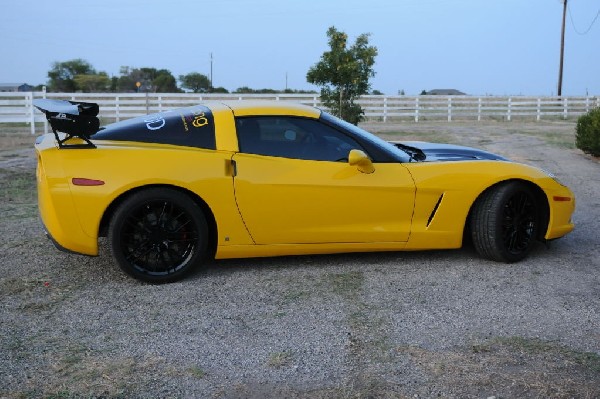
{"points": [[384, 325]]}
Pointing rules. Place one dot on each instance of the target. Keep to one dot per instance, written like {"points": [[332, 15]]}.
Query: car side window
{"points": [[293, 137]]}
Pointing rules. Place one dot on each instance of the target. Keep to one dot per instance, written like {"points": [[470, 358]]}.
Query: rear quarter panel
{"points": [[128, 166]]}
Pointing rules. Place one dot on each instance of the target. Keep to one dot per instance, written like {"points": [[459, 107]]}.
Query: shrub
{"points": [[588, 132]]}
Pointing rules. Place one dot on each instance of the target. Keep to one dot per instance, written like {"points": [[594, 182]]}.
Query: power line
{"points": [[589, 28]]}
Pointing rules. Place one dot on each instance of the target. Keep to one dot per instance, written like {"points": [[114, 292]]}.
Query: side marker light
{"points": [[561, 199], [82, 181]]}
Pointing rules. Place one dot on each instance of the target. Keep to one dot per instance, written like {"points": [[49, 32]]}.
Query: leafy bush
{"points": [[588, 132]]}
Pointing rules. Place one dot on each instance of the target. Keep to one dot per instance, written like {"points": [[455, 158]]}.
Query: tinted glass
{"points": [[191, 127], [293, 137], [379, 149]]}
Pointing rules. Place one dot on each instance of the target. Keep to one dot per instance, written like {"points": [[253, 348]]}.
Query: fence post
{"points": [[159, 103], [539, 109], [449, 109], [479, 109], [315, 101], [565, 108], [508, 111], [417, 109], [45, 120], [385, 109], [29, 100], [117, 116], [587, 104]]}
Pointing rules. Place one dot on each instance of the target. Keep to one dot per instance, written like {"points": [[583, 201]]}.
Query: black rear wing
{"points": [[74, 118]]}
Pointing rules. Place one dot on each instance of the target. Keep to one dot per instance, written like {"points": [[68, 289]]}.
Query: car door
{"points": [[294, 185]]}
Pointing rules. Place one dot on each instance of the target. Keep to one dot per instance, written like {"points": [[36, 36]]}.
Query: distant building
{"points": [[444, 92], [15, 87]]}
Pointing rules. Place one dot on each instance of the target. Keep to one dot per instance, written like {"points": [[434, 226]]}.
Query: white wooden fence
{"points": [[18, 108]]}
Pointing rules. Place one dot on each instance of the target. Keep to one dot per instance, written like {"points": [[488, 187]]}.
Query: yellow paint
{"points": [[292, 201], [276, 206]]}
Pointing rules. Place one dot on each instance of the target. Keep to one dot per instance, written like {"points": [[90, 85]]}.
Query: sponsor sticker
{"points": [[197, 119]]}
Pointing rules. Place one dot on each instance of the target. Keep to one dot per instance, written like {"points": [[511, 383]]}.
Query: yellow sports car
{"points": [[248, 179]]}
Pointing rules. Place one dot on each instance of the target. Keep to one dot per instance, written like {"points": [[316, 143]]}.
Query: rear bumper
{"points": [[58, 246], [58, 217]]}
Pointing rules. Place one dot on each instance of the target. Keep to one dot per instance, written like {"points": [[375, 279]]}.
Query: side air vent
{"points": [[435, 208]]}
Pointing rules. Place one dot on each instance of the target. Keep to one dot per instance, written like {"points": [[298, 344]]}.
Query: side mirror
{"points": [[362, 162]]}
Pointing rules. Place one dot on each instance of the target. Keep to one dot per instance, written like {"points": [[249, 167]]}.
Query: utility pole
{"points": [[562, 50], [211, 73]]}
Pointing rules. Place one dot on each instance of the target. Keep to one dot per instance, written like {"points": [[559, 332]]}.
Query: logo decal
{"points": [[155, 122], [200, 120]]}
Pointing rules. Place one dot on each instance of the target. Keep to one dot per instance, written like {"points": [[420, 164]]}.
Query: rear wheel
{"points": [[505, 221], [158, 235]]}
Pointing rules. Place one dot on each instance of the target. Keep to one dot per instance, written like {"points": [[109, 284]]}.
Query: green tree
{"points": [[196, 82], [93, 83], [165, 83], [62, 75], [244, 90], [151, 80], [219, 90], [160, 80], [343, 74]]}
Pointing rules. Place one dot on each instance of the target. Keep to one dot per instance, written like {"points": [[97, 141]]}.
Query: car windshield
{"points": [[381, 144]]}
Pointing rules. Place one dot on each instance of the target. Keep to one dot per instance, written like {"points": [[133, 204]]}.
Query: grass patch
{"points": [[510, 367], [348, 285], [36, 295], [18, 198], [555, 139], [279, 359], [76, 372], [295, 295], [588, 360], [15, 139], [197, 372], [18, 186]]}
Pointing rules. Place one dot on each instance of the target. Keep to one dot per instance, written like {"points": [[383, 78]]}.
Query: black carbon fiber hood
{"points": [[437, 152]]}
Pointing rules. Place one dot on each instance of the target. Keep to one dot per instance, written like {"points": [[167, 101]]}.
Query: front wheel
{"points": [[158, 235], [505, 221]]}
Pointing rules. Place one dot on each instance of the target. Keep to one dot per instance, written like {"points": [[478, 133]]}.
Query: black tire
{"points": [[505, 221], [158, 235]]}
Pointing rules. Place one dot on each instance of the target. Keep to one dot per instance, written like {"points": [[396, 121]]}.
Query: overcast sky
{"points": [[500, 47]]}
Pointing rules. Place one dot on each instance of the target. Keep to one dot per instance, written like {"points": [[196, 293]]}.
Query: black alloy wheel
{"points": [[158, 235], [505, 221]]}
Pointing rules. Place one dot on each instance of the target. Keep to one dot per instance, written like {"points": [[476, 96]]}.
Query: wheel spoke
{"points": [[162, 212], [138, 223], [158, 237], [518, 222], [524, 204], [134, 256]]}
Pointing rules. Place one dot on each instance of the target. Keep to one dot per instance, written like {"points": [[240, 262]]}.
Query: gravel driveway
{"points": [[382, 325]]}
